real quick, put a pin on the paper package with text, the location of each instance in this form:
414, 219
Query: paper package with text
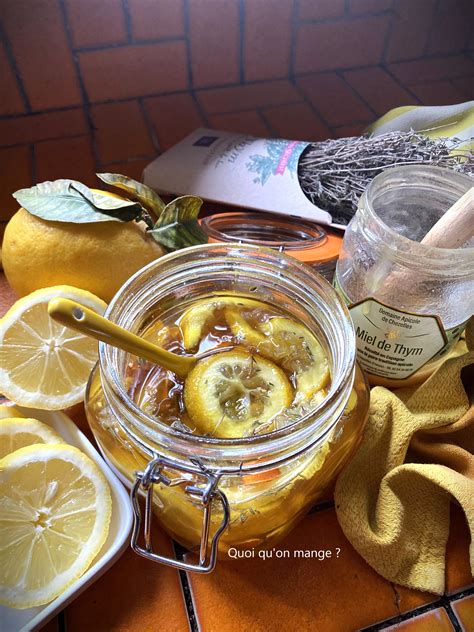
237, 170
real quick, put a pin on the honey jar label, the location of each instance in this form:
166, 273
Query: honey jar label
393, 343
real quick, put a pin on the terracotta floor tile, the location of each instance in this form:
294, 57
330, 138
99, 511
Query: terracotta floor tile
107, 25
458, 571
369, 6
341, 44
378, 89
433, 621
66, 158
465, 85
437, 93
15, 173
135, 595
37, 35
248, 122
35, 127
132, 168
134, 71
120, 131
464, 610
247, 97
296, 121
426, 70
321, 10
152, 19
349, 130
11, 101
7, 296
335, 100
450, 29
295, 594
173, 117
214, 41
266, 56
410, 29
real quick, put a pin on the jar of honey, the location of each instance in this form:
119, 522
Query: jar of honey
233, 454
409, 301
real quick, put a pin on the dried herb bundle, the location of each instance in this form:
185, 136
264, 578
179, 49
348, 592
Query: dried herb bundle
334, 173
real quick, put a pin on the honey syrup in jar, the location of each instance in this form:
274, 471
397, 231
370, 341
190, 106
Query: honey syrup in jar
251, 437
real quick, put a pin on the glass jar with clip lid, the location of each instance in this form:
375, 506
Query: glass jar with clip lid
237, 452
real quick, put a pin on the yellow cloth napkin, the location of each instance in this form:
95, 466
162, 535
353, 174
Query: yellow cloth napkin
416, 456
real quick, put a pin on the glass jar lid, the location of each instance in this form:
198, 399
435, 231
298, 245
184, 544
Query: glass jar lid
309, 243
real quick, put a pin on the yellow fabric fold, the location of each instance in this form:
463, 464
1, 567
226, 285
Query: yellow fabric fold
416, 456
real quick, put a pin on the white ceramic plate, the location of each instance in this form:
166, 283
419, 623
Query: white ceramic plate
12, 620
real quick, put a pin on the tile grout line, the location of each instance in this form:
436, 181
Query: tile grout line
33, 163
261, 115
400, 618
187, 39
340, 74
308, 101
149, 126
442, 602
347, 18
186, 589
7, 47
452, 617
82, 88
191, 91
293, 38
387, 70
388, 34
133, 42
241, 41
431, 28
127, 18
227, 86
45, 140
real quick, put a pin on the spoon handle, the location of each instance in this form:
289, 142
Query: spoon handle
88, 322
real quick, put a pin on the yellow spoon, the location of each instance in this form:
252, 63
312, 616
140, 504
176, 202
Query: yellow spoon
88, 322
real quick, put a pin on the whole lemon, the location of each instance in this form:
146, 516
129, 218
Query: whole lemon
98, 257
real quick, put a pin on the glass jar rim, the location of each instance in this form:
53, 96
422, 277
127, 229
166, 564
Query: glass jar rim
401, 246
304, 430
304, 240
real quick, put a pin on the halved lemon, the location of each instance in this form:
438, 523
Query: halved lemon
54, 519
16, 433
42, 363
230, 393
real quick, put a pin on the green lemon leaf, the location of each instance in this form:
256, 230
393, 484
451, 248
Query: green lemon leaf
149, 198
71, 201
177, 227
115, 208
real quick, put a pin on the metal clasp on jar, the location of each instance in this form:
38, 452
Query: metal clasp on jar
206, 493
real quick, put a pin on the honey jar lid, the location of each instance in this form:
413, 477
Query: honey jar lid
307, 242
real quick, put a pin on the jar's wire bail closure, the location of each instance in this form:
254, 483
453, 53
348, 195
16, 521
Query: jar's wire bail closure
205, 494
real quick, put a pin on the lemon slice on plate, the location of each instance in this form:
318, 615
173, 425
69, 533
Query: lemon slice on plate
16, 433
42, 363
229, 393
55, 512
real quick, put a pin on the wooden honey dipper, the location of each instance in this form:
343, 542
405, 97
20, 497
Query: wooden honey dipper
455, 227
